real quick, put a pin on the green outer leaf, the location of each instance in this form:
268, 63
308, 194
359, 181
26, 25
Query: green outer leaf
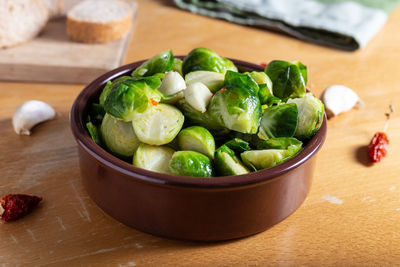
291, 144
191, 163
160, 63
227, 163
303, 70
109, 85
236, 79
94, 133
132, 96
279, 121
238, 145
197, 138
287, 79
177, 66
262, 159
205, 59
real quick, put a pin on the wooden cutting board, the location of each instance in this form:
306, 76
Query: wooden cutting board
53, 57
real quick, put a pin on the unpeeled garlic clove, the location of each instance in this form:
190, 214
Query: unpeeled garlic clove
29, 114
338, 99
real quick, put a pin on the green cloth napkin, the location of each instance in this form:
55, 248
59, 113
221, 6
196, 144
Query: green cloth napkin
347, 25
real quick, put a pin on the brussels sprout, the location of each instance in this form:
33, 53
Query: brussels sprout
287, 78
206, 59
262, 159
311, 115
236, 79
198, 96
118, 136
236, 108
160, 63
291, 144
227, 163
109, 85
153, 158
158, 125
191, 163
172, 83
94, 132
197, 138
177, 66
302, 68
132, 96
238, 145
96, 113
195, 117
213, 80
279, 121
262, 78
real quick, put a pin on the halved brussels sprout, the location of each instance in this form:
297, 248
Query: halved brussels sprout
191, 163
206, 59
198, 96
238, 145
279, 121
172, 83
227, 163
153, 158
195, 117
236, 108
213, 80
287, 78
118, 136
177, 66
262, 159
291, 144
132, 96
160, 63
262, 78
311, 115
158, 125
197, 138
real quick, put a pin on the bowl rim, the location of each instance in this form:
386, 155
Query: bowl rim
84, 140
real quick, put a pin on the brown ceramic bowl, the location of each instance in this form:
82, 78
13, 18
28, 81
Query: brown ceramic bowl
190, 208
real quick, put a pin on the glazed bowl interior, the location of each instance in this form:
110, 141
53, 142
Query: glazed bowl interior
91, 95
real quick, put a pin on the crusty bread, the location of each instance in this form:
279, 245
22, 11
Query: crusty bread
99, 21
21, 20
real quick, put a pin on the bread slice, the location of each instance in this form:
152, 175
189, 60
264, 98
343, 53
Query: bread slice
21, 20
99, 21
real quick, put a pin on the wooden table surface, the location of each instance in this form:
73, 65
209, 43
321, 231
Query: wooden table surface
351, 216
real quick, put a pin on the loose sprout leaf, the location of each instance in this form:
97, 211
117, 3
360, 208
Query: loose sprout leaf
172, 99
191, 163
236, 108
109, 85
227, 163
94, 133
266, 97
195, 117
160, 63
291, 144
132, 96
197, 138
262, 159
237, 79
118, 136
213, 80
158, 125
287, 78
279, 121
303, 70
310, 117
153, 158
206, 59
238, 145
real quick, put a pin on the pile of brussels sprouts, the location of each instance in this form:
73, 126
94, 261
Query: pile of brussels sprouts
201, 117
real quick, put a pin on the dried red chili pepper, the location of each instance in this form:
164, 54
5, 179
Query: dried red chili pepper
153, 102
378, 147
17, 206
263, 64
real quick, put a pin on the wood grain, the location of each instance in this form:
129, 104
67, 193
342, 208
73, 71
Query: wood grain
349, 218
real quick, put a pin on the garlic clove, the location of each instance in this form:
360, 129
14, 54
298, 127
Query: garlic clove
198, 96
338, 99
172, 83
29, 114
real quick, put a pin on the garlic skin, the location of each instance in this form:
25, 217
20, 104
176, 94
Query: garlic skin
338, 99
29, 114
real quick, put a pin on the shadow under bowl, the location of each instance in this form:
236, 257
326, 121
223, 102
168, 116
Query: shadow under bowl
189, 208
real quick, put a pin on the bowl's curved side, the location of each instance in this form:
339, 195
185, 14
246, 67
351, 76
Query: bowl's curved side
194, 213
